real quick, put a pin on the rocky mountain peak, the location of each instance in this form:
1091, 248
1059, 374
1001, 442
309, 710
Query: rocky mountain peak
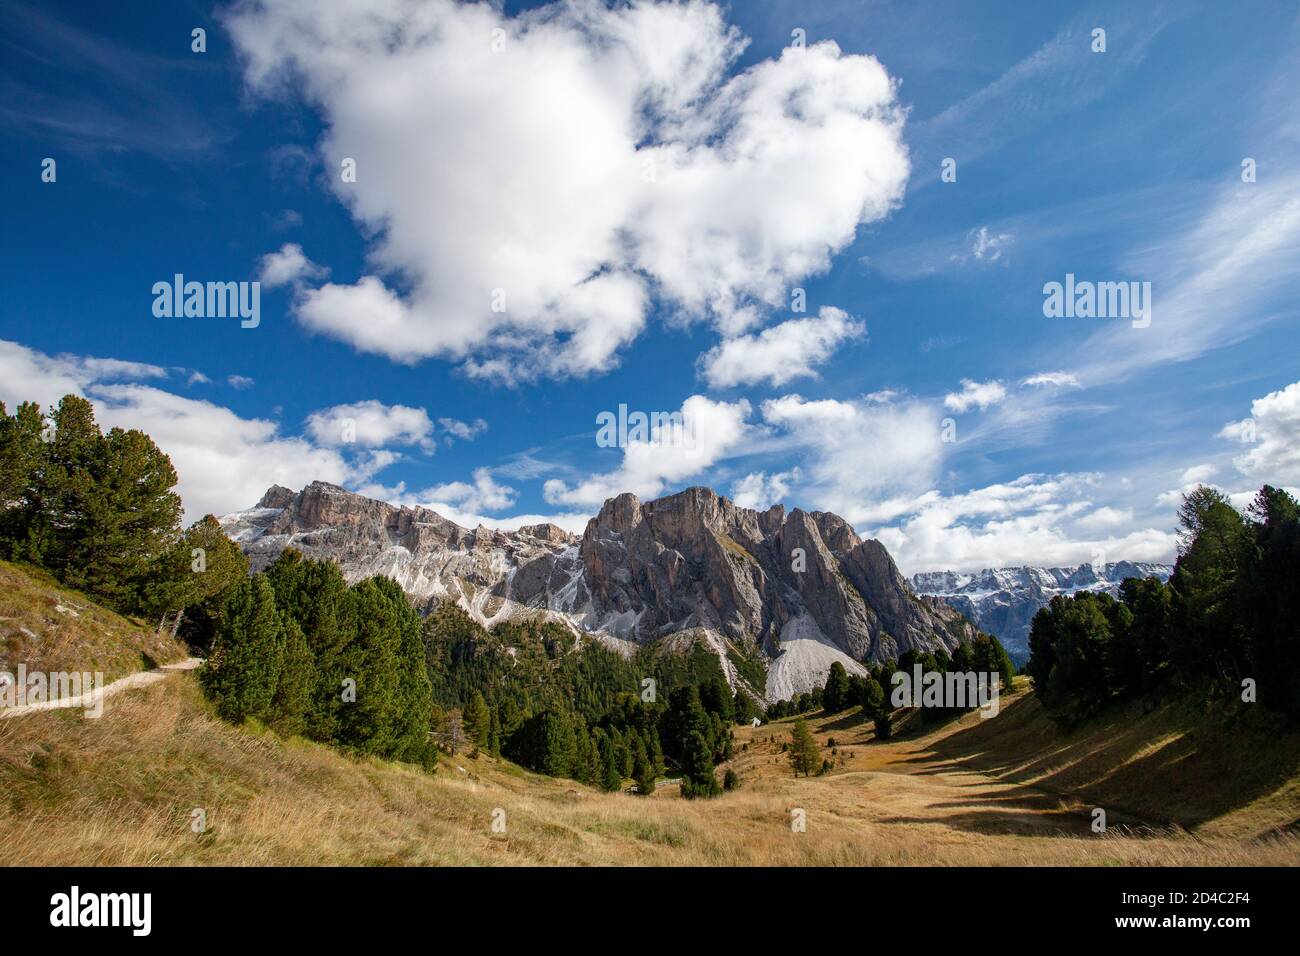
800, 590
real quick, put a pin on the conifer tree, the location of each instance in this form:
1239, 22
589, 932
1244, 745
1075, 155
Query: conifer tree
804, 754
370, 723
835, 695
642, 768
610, 778
477, 720
656, 753
288, 713
697, 768
243, 670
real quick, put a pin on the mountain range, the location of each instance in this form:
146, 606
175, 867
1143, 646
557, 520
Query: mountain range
793, 592
1003, 601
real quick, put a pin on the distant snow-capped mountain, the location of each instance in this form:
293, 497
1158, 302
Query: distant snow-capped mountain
1003, 601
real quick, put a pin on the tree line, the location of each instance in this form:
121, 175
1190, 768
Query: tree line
301, 650
872, 692
1225, 625
99, 512
527, 691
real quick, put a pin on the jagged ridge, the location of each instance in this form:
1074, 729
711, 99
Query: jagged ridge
801, 587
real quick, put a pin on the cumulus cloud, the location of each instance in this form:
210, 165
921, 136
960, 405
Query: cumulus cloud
288, 266
853, 453
224, 462
535, 241
371, 424
793, 349
1273, 436
464, 514
240, 382
465, 431
975, 395
760, 490
714, 431
1044, 519
484, 494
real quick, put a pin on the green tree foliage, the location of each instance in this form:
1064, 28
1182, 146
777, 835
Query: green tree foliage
297, 678
804, 754
1228, 613
730, 780
100, 513
241, 674
642, 768
698, 779
478, 722
835, 695
610, 778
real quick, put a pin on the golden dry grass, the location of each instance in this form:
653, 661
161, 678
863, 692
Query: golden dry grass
50, 629
120, 790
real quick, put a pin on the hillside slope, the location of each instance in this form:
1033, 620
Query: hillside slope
123, 790
49, 628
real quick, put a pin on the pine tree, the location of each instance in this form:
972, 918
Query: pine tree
243, 670
558, 743
697, 768
872, 697
656, 753
22, 456
642, 768
835, 696
288, 713
370, 723
610, 778
805, 756
685, 716
477, 720
494, 733
414, 692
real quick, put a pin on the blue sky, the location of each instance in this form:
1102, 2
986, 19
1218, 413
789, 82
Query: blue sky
647, 186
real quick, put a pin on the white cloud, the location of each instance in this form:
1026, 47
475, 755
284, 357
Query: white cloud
1038, 519
371, 424
1197, 474
989, 246
780, 353
289, 266
716, 430
1105, 517
240, 382
759, 490
465, 431
662, 178
484, 494
1274, 425
854, 453
223, 462
1053, 379
975, 395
